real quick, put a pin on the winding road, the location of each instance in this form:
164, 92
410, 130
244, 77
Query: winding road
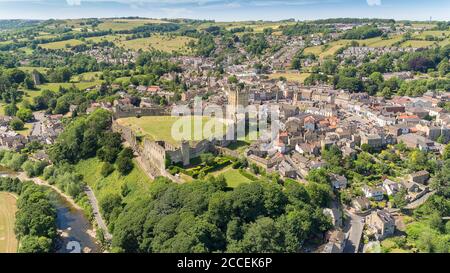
98, 217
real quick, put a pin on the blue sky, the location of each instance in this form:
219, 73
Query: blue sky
227, 10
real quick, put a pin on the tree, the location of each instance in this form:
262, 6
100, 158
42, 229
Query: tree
25, 114
207, 158
441, 181
109, 203
11, 109
35, 244
16, 124
124, 165
399, 199
263, 236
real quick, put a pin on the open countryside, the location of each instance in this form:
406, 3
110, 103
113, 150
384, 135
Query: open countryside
8, 242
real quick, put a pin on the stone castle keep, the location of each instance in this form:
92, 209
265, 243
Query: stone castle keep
154, 154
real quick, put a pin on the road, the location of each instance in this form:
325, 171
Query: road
354, 226
98, 217
37, 124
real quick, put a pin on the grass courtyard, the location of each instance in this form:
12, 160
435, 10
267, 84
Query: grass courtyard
234, 177
160, 127
8, 208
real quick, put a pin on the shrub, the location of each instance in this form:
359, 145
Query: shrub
16, 124
107, 169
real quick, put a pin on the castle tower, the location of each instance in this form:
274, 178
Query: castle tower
185, 152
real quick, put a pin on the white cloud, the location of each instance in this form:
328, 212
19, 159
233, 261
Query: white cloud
374, 2
73, 2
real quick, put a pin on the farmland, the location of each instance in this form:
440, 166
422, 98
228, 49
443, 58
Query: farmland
61, 44
122, 24
8, 242
158, 42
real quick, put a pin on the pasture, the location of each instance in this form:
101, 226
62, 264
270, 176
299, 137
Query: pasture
164, 43
8, 208
126, 24
61, 44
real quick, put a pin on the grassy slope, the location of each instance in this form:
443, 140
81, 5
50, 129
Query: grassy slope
8, 241
137, 181
123, 24
61, 44
158, 42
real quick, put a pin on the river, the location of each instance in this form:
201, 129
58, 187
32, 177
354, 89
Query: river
77, 235
76, 231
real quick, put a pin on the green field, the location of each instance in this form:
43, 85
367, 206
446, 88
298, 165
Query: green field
137, 181
80, 85
160, 127
159, 42
124, 24
29, 69
61, 44
233, 177
417, 43
8, 241
434, 33
108, 38
86, 77
290, 76
323, 51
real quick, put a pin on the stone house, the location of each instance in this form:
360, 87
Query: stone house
381, 224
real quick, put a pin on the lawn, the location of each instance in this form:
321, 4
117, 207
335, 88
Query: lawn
124, 24
26, 131
233, 177
160, 127
61, 44
291, 76
137, 181
159, 42
8, 241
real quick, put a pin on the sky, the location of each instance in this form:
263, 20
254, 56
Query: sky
227, 10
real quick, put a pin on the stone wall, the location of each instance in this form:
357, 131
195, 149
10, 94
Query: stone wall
126, 112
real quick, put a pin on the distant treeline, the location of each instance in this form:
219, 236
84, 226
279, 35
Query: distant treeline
9, 24
352, 21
